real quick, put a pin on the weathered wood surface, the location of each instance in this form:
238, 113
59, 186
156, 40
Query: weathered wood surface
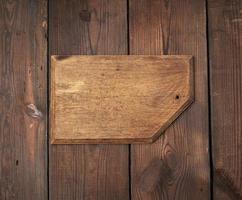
117, 99
101, 171
225, 44
174, 27
23, 61
88, 171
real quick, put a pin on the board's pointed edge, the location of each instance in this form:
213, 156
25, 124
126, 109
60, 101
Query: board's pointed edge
171, 121
151, 139
184, 107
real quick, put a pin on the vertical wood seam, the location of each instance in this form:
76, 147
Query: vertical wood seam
209, 105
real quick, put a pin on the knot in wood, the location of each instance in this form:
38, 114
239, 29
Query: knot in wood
154, 175
85, 16
225, 182
33, 112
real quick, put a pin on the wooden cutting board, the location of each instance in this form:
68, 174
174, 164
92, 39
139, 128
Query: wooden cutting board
117, 99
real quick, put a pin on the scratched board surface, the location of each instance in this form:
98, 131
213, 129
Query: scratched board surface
179, 164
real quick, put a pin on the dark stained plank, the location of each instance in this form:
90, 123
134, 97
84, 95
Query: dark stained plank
173, 27
88, 171
23, 100
225, 44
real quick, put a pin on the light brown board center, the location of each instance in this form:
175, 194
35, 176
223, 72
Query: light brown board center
117, 99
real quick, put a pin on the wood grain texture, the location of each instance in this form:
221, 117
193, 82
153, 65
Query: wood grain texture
88, 171
225, 44
174, 27
117, 99
23, 100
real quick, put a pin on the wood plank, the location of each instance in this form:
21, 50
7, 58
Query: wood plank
88, 171
173, 27
225, 44
117, 99
23, 100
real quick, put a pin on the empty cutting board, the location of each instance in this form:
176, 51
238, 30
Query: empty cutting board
117, 99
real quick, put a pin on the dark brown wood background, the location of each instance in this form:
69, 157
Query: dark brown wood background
201, 150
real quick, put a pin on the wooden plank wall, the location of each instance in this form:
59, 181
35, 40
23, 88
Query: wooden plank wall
174, 27
177, 165
23, 100
225, 44
88, 171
